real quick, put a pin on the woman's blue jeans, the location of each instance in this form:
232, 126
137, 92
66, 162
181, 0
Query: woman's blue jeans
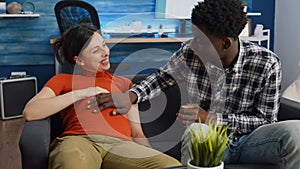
277, 143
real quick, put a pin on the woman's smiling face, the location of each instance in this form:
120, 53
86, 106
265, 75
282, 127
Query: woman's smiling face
94, 57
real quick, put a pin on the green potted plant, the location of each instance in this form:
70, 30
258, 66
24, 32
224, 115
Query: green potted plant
205, 145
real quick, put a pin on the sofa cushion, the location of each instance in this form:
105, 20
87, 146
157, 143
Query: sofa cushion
292, 92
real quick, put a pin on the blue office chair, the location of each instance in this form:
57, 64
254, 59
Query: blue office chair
70, 13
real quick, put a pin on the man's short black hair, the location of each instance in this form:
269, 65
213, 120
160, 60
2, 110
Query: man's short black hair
222, 18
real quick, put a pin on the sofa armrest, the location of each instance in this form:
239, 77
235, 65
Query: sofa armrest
289, 110
34, 144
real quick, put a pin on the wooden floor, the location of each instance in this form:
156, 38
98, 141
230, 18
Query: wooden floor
10, 131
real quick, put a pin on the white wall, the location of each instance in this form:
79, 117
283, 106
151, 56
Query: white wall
287, 38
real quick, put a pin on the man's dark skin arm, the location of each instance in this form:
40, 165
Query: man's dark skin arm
161, 80
122, 102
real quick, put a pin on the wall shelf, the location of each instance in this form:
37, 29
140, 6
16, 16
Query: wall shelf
36, 15
265, 37
253, 14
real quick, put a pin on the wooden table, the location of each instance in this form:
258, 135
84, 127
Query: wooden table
172, 38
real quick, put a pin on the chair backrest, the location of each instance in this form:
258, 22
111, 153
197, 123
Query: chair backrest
70, 13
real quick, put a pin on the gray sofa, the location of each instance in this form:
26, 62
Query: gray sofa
158, 118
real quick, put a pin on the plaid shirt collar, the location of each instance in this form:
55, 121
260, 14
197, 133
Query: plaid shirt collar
237, 67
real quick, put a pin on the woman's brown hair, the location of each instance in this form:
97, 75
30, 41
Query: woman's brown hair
71, 42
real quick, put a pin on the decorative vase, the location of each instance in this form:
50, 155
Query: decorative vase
258, 31
245, 9
190, 166
14, 8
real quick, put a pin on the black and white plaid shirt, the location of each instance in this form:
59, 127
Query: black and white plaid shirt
248, 98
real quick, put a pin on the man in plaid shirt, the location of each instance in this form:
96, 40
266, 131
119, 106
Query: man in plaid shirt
252, 86
243, 90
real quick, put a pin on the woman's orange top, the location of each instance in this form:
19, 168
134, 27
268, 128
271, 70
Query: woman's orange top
78, 119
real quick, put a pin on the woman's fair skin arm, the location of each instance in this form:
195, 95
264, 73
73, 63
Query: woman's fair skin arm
46, 103
136, 128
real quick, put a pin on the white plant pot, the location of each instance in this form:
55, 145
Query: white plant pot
190, 166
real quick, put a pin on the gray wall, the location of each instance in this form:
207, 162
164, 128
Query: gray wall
287, 39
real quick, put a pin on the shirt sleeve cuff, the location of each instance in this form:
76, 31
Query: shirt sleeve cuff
137, 93
219, 119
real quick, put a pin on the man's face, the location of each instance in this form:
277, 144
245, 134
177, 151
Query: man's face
208, 47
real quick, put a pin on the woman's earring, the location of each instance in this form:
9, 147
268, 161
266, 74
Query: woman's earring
77, 61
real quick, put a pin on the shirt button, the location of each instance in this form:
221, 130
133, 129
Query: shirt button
235, 139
